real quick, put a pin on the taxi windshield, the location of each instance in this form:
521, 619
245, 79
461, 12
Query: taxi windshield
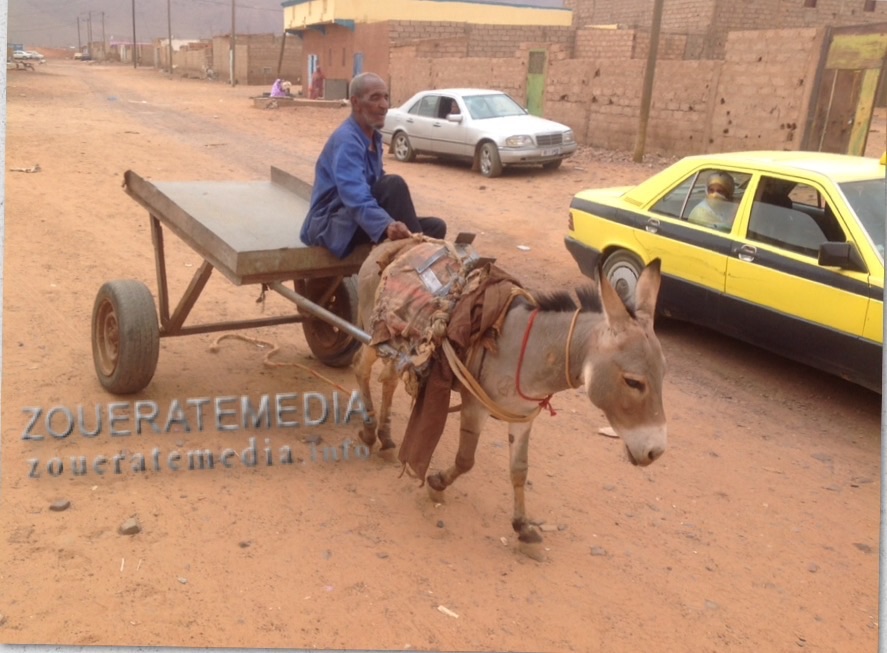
868, 200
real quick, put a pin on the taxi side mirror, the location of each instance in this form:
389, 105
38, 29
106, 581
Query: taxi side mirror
841, 255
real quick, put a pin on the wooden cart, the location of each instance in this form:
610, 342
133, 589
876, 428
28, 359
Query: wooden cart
248, 231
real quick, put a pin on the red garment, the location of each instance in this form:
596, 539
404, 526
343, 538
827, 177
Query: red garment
317, 80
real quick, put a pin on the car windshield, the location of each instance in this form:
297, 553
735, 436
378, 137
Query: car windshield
496, 105
867, 199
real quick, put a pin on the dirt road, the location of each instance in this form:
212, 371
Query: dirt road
757, 531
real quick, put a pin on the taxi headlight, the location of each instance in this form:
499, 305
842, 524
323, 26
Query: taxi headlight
568, 136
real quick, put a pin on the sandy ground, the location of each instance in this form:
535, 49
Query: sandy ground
757, 531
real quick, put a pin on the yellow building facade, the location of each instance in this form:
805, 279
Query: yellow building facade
302, 14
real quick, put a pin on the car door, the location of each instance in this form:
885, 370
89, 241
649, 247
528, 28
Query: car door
450, 133
694, 257
420, 122
779, 296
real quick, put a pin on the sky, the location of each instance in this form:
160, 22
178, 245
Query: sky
53, 23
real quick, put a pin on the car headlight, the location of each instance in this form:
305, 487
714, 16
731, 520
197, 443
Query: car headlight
568, 136
519, 141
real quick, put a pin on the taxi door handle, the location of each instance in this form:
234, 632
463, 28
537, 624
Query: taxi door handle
746, 253
652, 225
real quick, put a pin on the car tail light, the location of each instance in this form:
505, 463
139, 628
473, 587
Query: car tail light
570, 222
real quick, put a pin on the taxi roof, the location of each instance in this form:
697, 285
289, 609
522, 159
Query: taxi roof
837, 167
840, 167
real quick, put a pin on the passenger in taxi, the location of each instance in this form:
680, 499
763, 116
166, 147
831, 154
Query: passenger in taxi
718, 209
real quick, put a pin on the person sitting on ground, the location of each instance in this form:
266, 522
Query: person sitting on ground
718, 209
353, 200
280, 88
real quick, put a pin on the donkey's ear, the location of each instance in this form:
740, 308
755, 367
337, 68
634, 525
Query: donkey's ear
647, 290
614, 308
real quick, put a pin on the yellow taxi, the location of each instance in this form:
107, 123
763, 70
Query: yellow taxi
784, 250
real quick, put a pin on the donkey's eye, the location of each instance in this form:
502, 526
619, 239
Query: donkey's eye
634, 384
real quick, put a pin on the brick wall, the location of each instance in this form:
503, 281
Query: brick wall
756, 98
764, 90
706, 23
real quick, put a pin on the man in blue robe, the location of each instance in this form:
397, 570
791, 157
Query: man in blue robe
353, 200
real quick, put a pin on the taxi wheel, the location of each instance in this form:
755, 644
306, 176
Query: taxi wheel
622, 269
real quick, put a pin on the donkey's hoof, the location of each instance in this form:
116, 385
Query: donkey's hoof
367, 435
526, 532
436, 482
535, 551
435, 495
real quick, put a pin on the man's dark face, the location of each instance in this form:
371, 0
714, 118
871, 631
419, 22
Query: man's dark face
371, 106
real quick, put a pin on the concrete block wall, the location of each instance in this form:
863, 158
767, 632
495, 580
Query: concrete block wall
411, 74
595, 43
764, 89
263, 57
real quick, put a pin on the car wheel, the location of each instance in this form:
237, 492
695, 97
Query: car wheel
403, 149
490, 163
552, 165
622, 269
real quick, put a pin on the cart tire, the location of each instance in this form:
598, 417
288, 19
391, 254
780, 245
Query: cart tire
125, 336
330, 345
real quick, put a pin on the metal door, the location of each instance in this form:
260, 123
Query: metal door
846, 89
536, 81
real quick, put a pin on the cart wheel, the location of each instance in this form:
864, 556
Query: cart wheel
328, 343
125, 336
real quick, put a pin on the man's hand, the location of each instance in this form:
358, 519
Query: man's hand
397, 231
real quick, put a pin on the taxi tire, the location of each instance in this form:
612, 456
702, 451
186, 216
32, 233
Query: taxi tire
622, 269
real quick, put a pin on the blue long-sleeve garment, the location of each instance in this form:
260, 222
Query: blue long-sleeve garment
342, 200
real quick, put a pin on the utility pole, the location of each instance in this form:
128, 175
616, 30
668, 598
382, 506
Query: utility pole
134, 47
169, 29
104, 40
89, 34
647, 92
79, 42
233, 46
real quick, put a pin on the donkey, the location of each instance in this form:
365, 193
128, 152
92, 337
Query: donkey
604, 344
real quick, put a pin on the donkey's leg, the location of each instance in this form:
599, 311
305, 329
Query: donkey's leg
363, 367
389, 380
519, 446
471, 422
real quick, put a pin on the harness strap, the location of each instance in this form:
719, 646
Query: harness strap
544, 402
567, 349
473, 386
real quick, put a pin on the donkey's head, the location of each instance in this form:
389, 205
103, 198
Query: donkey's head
624, 366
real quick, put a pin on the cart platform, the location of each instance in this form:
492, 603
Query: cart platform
249, 231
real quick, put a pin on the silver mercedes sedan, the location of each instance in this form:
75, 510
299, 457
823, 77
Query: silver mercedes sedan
487, 128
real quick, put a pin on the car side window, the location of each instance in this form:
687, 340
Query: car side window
709, 198
428, 106
792, 216
447, 106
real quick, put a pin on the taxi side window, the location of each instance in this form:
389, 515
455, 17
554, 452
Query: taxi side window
692, 191
792, 216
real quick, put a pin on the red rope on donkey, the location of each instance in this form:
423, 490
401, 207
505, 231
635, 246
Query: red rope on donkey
544, 402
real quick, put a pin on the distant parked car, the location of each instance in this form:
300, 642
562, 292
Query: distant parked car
30, 54
486, 127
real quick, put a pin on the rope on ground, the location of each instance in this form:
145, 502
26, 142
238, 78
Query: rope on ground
267, 359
